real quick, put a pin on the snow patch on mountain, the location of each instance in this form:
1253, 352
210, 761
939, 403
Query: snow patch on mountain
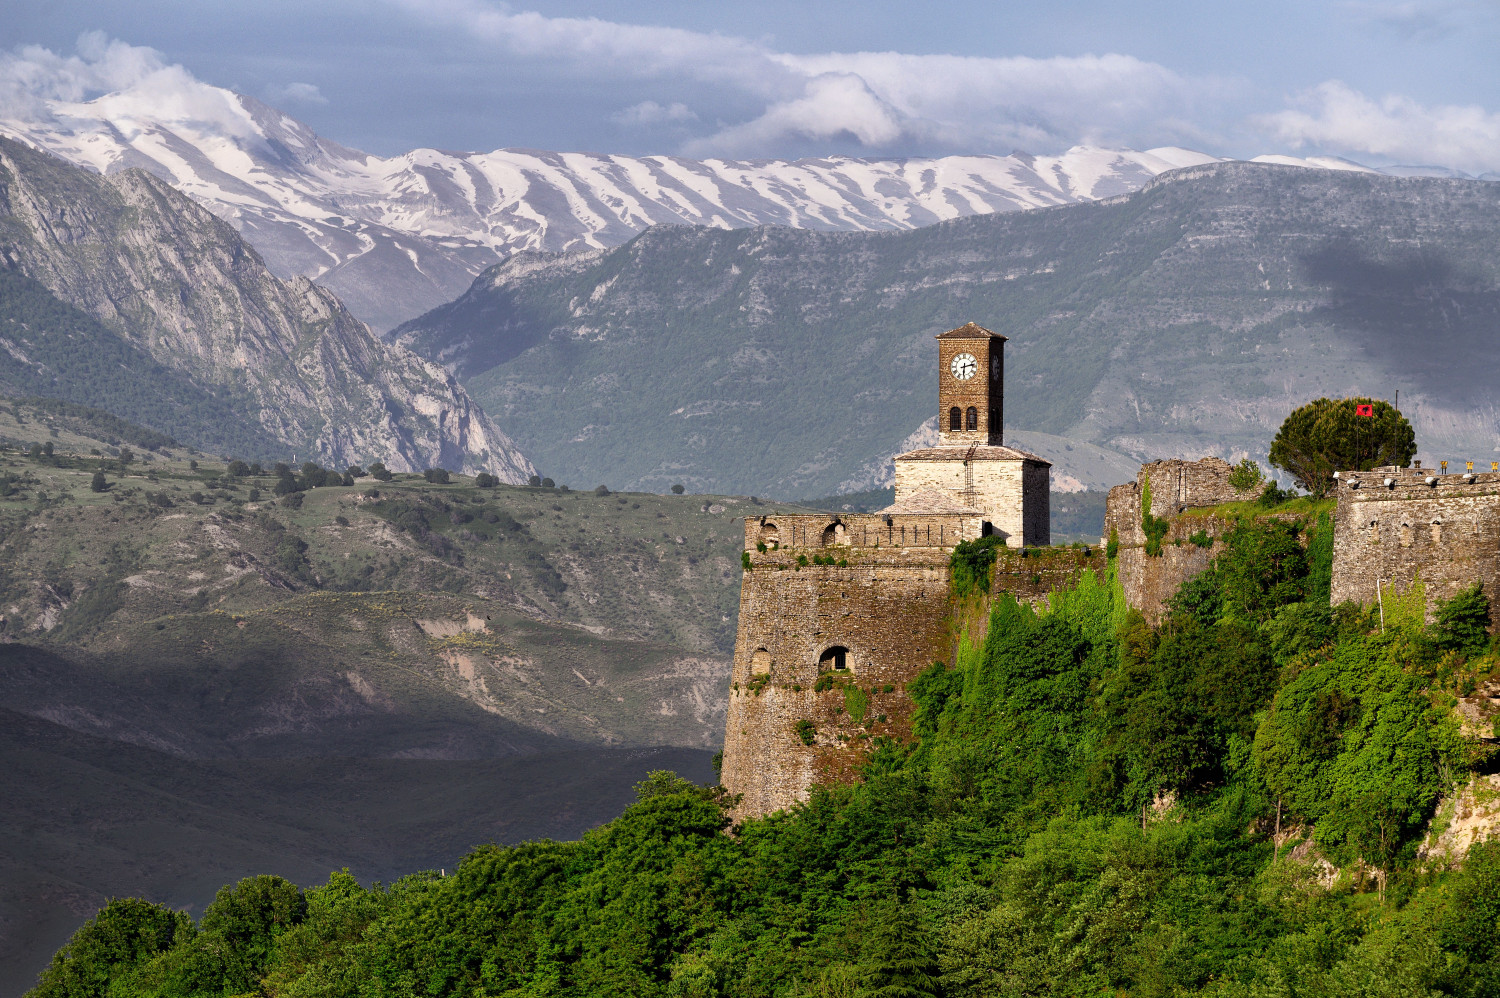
396, 236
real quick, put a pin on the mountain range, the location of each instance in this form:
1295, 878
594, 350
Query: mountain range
121, 291
395, 236
1185, 319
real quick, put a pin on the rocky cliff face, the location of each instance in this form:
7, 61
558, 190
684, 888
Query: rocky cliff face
183, 286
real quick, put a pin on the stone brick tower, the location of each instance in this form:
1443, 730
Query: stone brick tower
838, 612
971, 386
970, 468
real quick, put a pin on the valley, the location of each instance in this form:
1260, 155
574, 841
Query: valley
204, 679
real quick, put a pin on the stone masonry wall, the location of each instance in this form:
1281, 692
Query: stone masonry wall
1000, 489
890, 609
1441, 530
1149, 581
1036, 488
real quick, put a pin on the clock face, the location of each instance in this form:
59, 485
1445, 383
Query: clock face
963, 367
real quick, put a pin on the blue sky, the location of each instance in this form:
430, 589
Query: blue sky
1410, 81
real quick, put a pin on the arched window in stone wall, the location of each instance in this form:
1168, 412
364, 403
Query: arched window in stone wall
835, 534
760, 663
955, 418
835, 659
1437, 530
769, 535
971, 419
1407, 535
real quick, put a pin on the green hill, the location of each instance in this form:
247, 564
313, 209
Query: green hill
189, 660
1185, 319
1232, 804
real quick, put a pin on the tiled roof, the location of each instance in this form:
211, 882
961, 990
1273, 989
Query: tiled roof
970, 331
958, 452
932, 501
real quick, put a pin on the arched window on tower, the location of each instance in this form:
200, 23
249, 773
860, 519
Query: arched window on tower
955, 418
835, 659
972, 419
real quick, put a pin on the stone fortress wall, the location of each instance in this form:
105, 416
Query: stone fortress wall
1175, 486
1395, 527
866, 626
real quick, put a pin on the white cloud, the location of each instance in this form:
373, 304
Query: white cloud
649, 112
300, 93
1336, 117
879, 101
31, 75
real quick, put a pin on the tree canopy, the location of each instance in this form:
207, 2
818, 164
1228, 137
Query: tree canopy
1329, 435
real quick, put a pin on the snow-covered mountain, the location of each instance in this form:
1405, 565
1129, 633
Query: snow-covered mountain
394, 237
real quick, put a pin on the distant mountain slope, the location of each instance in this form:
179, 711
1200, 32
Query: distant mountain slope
396, 236
1188, 318
52, 349
175, 283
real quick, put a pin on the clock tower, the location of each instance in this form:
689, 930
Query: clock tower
971, 387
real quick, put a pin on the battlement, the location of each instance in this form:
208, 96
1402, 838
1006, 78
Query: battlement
893, 537
1399, 527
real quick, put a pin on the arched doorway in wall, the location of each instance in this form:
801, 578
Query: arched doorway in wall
760, 662
835, 659
835, 534
769, 535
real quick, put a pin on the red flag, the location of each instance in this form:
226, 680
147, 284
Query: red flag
1364, 410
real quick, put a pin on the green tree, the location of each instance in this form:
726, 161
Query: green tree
1463, 622
124, 934
1329, 435
485, 480
436, 476
896, 960
97, 483
379, 472
678, 489
246, 919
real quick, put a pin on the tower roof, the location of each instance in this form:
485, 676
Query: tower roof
970, 331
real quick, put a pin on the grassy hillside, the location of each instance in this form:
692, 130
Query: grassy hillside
204, 679
1186, 319
580, 615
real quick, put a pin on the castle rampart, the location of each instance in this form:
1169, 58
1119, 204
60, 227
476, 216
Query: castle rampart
1398, 526
1149, 580
824, 651
839, 612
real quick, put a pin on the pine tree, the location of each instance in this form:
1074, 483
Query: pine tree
896, 961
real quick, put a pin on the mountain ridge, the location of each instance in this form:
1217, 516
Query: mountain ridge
1181, 320
178, 283
397, 235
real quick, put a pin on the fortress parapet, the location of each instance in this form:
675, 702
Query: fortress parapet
895, 537
1396, 527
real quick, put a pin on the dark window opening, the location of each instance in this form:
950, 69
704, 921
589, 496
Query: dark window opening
835, 659
955, 418
973, 419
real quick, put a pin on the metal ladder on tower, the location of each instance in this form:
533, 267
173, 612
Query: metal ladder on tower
971, 496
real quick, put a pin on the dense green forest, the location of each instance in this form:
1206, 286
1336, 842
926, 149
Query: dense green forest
1090, 806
